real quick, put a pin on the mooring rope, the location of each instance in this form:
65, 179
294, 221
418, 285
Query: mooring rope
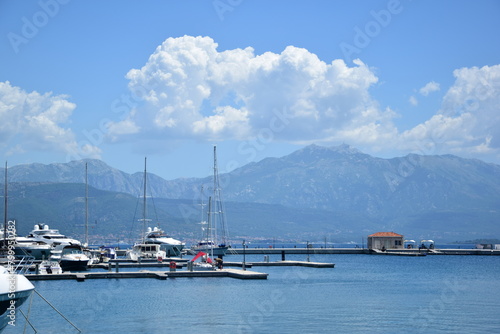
53, 307
28, 316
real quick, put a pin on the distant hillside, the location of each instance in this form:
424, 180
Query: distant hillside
437, 196
114, 216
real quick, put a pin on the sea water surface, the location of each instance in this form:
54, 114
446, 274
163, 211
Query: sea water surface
362, 294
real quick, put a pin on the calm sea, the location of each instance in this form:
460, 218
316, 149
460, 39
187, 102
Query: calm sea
362, 294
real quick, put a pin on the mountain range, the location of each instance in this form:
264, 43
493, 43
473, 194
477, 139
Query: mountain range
314, 192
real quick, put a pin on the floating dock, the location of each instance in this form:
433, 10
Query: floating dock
162, 275
174, 273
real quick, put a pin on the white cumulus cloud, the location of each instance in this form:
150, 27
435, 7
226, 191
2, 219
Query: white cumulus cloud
189, 89
34, 121
429, 88
468, 123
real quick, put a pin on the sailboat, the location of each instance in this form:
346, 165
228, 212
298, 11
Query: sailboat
214, 241
155, 243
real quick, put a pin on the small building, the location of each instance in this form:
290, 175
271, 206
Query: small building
385, 240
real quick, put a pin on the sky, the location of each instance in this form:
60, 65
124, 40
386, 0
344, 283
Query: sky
122, 80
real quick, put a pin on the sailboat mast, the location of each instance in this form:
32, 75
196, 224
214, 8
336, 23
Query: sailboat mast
202, 204
216, 205
219, 205
144, 203
86, 206
5, 210
210, 239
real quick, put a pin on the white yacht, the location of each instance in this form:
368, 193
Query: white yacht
145, 251
106, 254
49, 267
11, 299
208, 246
44, 234
27, 247
70, 257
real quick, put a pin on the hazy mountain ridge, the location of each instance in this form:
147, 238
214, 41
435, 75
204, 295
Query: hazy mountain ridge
336, 178
415, 193
114, 217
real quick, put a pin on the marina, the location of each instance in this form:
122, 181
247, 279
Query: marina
361, 291
248, 167
158, 257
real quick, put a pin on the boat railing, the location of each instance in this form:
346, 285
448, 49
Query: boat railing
24, 264
232, 251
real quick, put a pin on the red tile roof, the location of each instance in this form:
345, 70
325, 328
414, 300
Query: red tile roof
385, 234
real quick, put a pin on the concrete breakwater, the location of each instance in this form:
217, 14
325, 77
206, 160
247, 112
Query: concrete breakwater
321, 250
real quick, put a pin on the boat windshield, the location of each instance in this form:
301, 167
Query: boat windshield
151, 248
71, 251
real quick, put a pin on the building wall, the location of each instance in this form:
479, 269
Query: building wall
385, 242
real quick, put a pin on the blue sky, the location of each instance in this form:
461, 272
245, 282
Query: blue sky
120, 80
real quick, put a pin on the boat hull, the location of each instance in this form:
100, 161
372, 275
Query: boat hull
216, 251
169, 249
74, 265
202, 267
23, 289
39, 252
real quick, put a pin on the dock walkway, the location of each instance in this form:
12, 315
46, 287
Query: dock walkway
162, 275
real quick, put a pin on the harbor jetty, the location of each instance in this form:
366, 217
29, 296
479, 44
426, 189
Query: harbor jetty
113, 270
359, 250
162, 275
